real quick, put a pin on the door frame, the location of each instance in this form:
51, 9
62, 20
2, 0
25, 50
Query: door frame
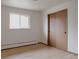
49, 26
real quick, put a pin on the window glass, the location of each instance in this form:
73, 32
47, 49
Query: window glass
14, 21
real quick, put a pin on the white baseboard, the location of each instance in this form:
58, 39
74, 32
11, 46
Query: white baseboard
17, 44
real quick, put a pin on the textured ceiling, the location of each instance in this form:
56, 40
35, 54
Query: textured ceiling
32, 4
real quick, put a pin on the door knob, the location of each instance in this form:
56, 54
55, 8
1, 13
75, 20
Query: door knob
65, 32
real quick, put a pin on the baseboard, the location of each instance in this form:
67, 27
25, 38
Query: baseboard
72, 53
6, 46
43, 43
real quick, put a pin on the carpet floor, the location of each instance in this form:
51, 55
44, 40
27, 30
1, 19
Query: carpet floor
38, 51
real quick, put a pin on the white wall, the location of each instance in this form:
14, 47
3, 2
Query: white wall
11, 36
72, 24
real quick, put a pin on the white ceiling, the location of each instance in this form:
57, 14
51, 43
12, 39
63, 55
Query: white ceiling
32, 4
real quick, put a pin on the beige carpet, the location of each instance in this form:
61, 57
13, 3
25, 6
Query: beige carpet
38, 51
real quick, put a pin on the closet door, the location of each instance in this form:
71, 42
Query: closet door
61, 30
52, 30
58, 30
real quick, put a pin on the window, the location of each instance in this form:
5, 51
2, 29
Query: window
18, 21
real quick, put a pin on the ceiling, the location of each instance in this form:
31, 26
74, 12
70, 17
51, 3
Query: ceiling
32, 4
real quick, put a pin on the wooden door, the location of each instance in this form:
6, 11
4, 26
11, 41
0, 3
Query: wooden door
52, 30
58, 29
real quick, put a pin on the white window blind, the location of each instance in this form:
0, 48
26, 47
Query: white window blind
18, 21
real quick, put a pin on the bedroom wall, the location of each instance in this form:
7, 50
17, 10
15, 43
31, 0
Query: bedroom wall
72, 23
19, 37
